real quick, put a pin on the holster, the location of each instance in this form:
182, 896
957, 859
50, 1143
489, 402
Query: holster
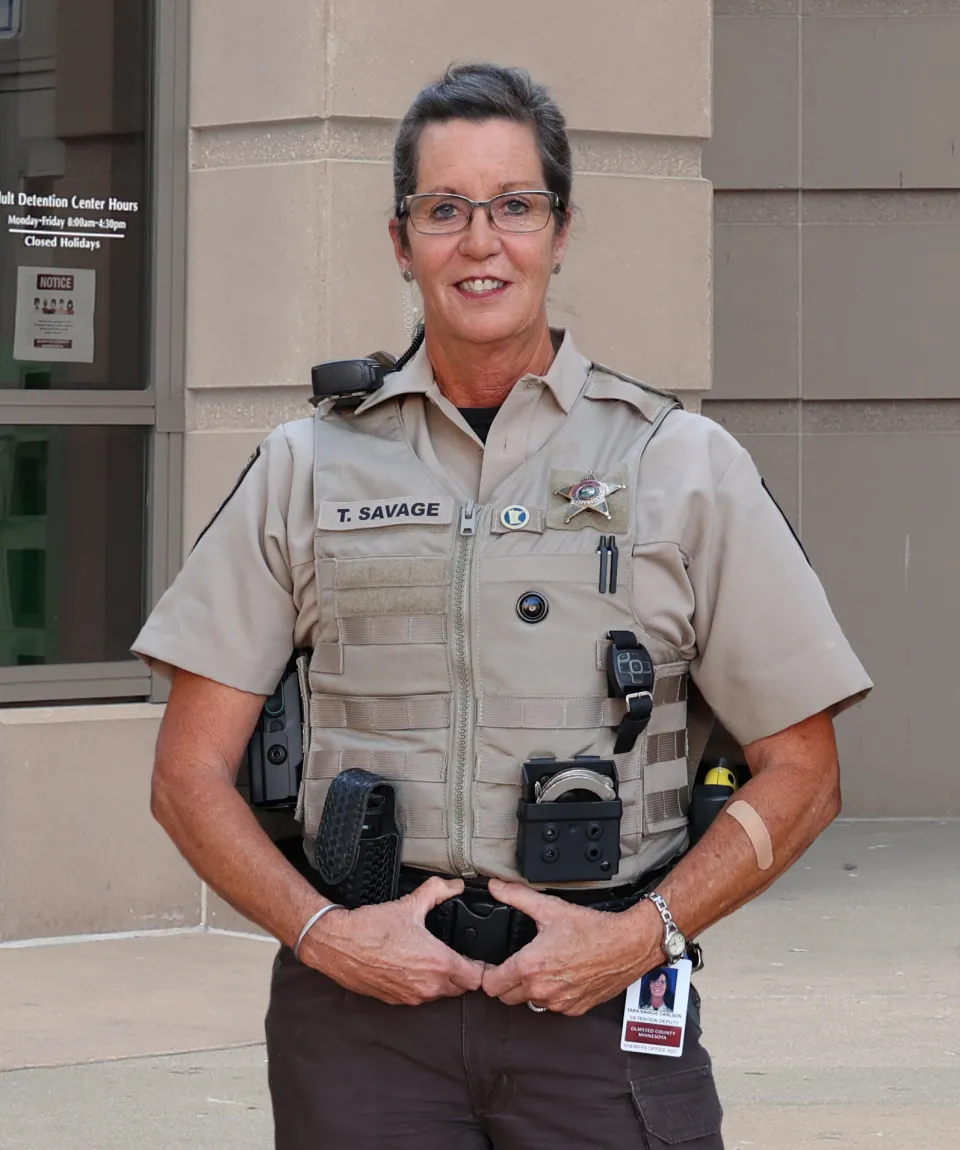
358, 841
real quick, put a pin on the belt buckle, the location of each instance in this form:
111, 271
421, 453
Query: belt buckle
483, 937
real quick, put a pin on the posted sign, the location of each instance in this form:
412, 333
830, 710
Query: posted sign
55, 310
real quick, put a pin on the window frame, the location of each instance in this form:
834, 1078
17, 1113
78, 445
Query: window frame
159, 406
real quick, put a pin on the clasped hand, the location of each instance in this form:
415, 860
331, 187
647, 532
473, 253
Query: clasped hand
580, 957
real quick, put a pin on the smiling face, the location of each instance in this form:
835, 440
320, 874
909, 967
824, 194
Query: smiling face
480, 285
658, 988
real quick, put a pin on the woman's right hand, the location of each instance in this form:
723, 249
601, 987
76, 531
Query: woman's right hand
386, 951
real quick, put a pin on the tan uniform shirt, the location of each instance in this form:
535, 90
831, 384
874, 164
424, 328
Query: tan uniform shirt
725, 582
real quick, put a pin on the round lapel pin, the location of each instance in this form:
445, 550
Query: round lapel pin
514, 518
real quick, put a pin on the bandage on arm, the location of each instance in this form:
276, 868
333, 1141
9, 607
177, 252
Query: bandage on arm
756, 830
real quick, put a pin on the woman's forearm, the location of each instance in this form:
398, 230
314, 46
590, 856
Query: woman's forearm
796, 793
202, 739
219, 836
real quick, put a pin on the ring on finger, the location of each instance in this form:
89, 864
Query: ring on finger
538, 1009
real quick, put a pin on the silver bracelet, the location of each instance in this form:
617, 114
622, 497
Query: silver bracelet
311, 922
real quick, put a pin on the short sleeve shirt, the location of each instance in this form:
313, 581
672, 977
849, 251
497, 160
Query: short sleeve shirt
764, 646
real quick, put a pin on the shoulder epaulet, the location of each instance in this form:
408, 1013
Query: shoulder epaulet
605, 383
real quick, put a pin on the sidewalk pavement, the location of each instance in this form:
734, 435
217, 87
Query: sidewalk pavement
831, 1007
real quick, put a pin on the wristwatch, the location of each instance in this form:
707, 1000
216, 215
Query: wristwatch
674, 944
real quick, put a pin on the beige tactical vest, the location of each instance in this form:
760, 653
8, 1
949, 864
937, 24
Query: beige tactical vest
423, 671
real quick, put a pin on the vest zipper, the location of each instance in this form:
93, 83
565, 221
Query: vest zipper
464, 696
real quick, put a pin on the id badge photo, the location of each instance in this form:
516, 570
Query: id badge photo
655, 1013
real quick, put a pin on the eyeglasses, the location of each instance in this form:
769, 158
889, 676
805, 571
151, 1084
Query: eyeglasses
438, 214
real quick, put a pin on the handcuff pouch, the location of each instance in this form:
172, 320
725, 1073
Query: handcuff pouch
574, 836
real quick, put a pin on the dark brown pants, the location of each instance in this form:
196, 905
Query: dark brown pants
351, 1073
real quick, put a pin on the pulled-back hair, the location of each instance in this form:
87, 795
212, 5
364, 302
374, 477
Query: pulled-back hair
480, 92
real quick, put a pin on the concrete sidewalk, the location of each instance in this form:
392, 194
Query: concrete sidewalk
831, 1006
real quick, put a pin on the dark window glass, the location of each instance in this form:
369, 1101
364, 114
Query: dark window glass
71, 543
74, 212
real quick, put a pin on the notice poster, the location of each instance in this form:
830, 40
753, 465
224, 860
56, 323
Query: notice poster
55, 310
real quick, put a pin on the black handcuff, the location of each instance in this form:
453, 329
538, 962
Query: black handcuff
630, 677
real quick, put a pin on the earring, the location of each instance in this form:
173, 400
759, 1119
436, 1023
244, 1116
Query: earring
556, 269
411, 313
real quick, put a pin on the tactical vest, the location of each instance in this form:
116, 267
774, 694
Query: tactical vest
424, 672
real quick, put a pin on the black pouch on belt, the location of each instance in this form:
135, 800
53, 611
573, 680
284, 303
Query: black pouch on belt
358, 843
568, 820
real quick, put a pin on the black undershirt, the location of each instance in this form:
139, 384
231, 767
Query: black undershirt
480, 419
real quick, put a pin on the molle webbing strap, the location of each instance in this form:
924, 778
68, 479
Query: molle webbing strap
429, 712
661, 806
559, 713
396, 766
420, 824
667, 747
495, 825
569, 712
370, 630
303, 680
405, 713
669, 689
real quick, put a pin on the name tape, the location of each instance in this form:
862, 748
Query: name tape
354, 515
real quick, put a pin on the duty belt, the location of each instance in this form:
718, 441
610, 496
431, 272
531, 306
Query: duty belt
357, 863
475, 925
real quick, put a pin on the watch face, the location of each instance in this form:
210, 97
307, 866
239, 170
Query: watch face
675, 945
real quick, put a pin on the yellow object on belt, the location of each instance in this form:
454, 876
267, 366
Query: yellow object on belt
720, 777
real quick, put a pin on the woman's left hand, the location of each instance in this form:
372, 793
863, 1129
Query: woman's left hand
580, 957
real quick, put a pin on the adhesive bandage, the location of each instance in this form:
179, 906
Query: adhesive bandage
756, 830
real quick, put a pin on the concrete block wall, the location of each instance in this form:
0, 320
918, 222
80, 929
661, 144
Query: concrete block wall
79, 853
837, 233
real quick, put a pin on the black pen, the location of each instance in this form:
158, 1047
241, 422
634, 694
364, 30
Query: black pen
602, 548
614, 560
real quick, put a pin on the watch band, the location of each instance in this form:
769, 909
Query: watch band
669, 924
674, 944
693, 949
630, 676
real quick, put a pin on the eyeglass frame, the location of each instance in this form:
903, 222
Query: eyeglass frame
556, 206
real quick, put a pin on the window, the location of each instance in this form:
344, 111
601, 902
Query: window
90, 376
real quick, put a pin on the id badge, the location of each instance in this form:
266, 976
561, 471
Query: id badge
655, 1014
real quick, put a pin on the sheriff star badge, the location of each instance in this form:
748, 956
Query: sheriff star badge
590, 494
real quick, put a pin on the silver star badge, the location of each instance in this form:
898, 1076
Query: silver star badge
590, 494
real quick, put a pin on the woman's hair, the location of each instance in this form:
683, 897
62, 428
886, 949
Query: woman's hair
481, 92
652, 977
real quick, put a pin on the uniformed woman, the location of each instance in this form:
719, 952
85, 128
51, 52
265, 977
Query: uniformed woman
466, 555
